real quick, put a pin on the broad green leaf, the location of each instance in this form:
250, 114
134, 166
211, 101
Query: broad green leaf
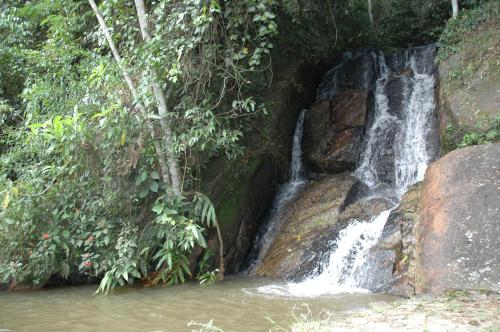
65, 233
158, 208
154, 186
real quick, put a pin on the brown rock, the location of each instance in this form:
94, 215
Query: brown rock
333, 131
407, 71
349, 109
458, 230
308, 225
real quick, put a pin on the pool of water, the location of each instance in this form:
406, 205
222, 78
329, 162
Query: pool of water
236, 304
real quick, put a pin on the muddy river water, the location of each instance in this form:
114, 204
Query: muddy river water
236, 304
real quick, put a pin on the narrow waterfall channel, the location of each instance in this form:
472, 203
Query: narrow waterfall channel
396, 150
285, 194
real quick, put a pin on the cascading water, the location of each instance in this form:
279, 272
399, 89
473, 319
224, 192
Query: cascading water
407, 130
396, 152
285, 194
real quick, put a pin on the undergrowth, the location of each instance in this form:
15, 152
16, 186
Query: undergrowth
454, 137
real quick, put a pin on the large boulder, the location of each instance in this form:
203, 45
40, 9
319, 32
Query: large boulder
333, 131
308, 225
458, 231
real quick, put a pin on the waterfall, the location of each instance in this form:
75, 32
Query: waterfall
400, 136
380, 130
296, 165
396, 152
285, 194
408, 131
412, 153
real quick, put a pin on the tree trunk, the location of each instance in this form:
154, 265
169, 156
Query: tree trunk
370, 13
173, 163
454, 6
221, 252
163, 164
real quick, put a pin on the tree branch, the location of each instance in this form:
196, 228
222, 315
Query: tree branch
133, 90
173, 163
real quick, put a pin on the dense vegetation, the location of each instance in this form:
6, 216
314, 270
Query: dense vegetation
102, 153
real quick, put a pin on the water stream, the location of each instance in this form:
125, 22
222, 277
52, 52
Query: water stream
286, 194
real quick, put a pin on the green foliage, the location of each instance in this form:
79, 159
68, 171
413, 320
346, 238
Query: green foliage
80, 181
488, 131
320, 28
483, 137
449, 138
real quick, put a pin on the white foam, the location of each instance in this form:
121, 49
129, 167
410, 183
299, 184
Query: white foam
345, 267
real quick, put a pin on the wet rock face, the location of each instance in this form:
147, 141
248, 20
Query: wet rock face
458, 230
396, 89
395, 249
355, 71
335, 126
423, 56
363, 209
334, 131
257, 201
308, 225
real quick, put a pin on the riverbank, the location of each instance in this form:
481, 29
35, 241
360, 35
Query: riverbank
455, 311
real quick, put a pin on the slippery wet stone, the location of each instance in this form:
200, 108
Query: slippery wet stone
309, 222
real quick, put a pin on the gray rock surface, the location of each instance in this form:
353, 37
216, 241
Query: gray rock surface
458, 232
